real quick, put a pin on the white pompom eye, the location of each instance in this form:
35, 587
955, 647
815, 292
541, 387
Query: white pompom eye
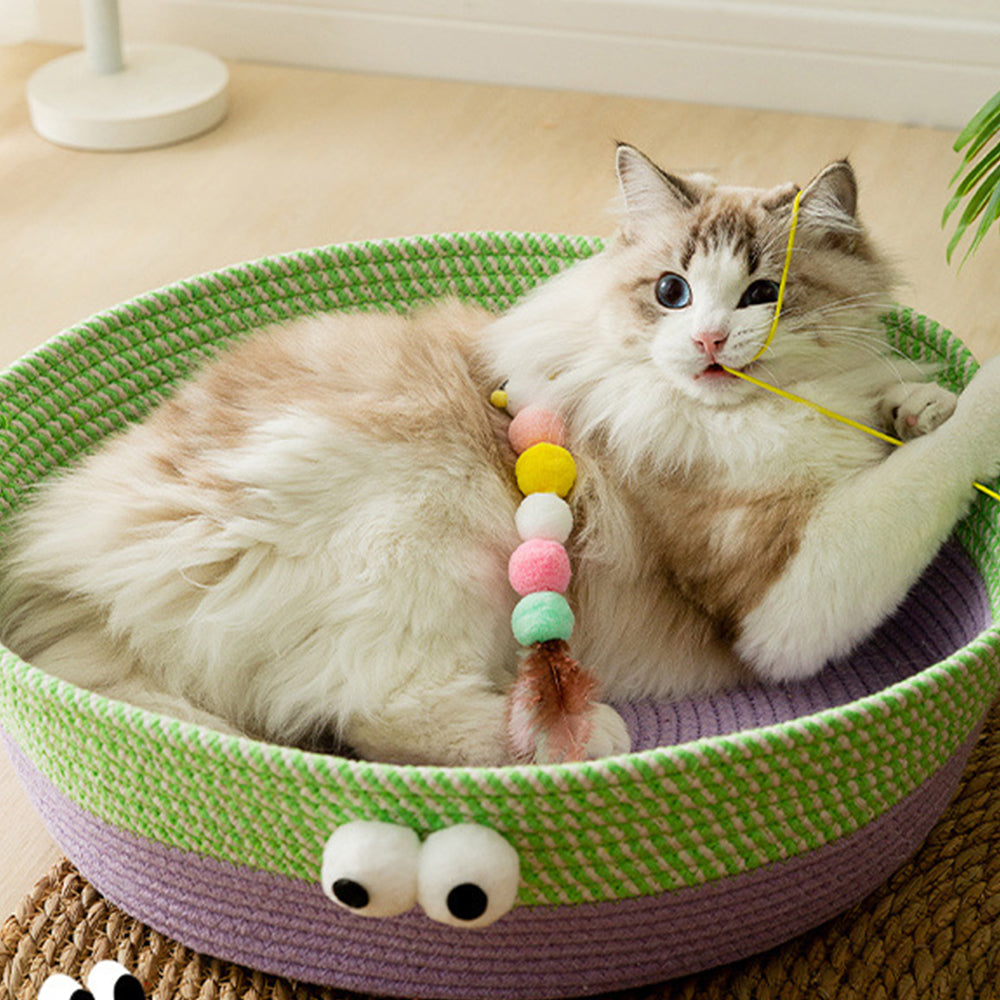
109, 980
371, 868
469, 876
60, 987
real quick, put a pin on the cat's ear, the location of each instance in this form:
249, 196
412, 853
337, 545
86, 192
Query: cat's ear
831, 197
648, 190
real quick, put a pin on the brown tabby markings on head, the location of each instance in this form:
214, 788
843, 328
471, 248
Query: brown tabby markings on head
728, 226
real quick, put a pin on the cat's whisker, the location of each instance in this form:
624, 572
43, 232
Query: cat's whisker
859, 339
862, 337
843, 306
847, 303
765, 370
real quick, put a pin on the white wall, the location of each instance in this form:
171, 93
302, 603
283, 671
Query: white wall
919, 61
18, 21
984, 9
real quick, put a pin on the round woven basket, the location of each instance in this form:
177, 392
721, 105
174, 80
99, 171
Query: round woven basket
736, 823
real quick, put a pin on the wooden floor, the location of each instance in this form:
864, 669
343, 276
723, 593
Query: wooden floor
309, 157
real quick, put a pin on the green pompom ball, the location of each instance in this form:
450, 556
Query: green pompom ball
540, 617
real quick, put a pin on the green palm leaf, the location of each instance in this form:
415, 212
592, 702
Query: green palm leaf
971, 179
980, 185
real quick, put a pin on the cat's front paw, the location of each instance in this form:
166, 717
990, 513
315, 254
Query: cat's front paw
980, 397
609, 736
977, 421
912, 409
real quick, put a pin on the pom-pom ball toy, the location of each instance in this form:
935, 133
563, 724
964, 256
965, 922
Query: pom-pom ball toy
737, 821
539, 564
533, 425
544, 515
545, 468
551, 701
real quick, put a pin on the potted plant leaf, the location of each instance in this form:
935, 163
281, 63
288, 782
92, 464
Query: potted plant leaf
977, 180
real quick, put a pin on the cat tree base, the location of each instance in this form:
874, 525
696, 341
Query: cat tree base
164, 94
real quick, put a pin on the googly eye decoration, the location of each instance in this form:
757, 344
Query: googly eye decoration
371, 868
108, 980
60, 987
111, 981
463, 876
469, 876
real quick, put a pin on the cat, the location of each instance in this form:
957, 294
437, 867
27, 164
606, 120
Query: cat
308, 542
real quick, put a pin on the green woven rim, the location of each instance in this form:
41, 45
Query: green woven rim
620, 828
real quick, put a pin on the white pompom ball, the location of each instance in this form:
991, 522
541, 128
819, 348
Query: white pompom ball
469, 876
370, 868
544, 515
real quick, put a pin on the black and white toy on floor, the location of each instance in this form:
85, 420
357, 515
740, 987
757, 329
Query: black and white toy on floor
108, 980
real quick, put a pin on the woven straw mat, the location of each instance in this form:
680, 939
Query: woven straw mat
932, 932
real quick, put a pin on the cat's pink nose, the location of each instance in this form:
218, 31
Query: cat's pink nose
709, 342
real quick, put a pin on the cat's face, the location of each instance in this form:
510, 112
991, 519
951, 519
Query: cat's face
700, 266
630, 343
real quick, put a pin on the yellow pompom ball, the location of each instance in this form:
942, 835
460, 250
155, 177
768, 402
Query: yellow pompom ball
545, 468
499, 399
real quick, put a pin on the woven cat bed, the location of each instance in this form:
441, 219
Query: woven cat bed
736, 823
931, 931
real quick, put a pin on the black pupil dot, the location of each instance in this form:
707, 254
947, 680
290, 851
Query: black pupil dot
129, 988
351, 893
672, 291
467, 901
761, 292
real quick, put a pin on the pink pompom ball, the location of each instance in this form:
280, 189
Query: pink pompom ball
539, 564
533, 425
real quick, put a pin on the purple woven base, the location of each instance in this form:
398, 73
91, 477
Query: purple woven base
289, 928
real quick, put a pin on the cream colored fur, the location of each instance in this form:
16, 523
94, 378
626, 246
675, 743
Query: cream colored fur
308, 543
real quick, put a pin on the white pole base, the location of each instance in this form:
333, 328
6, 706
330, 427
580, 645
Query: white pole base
165, 94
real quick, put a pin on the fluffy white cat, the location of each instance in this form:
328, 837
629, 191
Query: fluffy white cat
309, 541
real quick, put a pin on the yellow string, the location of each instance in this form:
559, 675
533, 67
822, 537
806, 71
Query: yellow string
832, 414
784, 279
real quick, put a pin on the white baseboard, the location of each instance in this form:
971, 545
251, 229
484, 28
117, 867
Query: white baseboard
810, 59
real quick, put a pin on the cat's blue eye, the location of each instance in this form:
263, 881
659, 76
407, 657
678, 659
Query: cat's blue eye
760, 293
672, 291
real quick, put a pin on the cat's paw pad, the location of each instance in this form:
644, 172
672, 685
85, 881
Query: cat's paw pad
609, 735
914, 409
